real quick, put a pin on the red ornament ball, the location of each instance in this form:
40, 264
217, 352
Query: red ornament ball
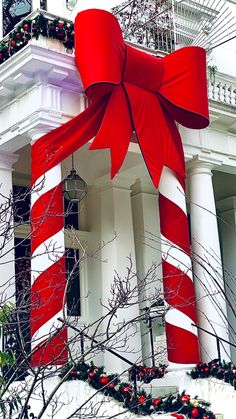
156, 402
185, 398
206, 370
142, 375
18, 35
26, 27
91, 374
195, 413
52, 28
141, 399
111, 385
60, 25
104, 380
13, 43
126, 389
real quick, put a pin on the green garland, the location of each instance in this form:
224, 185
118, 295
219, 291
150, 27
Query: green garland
223, 371
146, 374
142, 403
28, 29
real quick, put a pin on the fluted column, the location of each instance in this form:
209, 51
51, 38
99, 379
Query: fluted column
48, 271
227, 223
118, 250
148, 255
206, 257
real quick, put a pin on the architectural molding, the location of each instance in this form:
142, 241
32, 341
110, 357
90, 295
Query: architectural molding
7, 160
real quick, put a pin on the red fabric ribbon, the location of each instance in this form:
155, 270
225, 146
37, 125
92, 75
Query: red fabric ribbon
130, 91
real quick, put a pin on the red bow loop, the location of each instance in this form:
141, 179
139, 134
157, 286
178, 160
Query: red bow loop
99, 51
184, 87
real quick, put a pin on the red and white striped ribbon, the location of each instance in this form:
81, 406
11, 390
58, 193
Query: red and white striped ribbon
182, 340
48, 278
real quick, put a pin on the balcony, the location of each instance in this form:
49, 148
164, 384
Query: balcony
221, 88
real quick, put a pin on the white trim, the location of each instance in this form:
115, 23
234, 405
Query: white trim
175, 256
46, 330
177, 318
47, 254
45, 183
171, 188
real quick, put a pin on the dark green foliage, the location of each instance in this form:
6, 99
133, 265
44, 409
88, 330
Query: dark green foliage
221, 370
28, 29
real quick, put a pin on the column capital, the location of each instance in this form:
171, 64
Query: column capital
201, 165
105, 183
7, 160
36, 133
143, 185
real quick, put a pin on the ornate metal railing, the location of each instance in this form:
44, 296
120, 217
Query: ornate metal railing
15, 341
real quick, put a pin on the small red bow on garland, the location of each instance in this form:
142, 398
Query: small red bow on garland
130, 91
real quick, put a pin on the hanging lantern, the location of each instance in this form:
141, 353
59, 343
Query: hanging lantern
73, 186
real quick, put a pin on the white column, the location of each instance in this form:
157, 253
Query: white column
227, 223
35, 5
116, 219
7, 254
146, 224
207, 264
57, 8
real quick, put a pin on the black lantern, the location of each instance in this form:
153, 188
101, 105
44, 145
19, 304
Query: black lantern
74, 187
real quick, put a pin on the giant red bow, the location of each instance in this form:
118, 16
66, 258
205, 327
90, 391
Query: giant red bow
130, 90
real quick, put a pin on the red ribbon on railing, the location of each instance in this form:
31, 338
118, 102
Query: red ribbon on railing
130, 91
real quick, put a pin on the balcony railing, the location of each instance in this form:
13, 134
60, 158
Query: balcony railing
220, 90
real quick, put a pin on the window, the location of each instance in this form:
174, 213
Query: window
21, 198
43, 4
13, 12
73, 276
71, 210
22, 288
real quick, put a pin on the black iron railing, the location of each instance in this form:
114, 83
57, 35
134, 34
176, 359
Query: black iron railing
218, 340
84, 335
16, 342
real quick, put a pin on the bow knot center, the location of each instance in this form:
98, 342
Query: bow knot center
143, 70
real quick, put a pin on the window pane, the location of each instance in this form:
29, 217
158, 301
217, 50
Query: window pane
73, 292
22, 287
13, 12
71, 214
21, 198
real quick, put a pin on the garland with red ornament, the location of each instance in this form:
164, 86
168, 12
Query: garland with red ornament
180, 406
62, 30
221, 370
146, 374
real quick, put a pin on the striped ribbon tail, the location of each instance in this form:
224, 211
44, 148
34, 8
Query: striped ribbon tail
48, 277
182, 339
